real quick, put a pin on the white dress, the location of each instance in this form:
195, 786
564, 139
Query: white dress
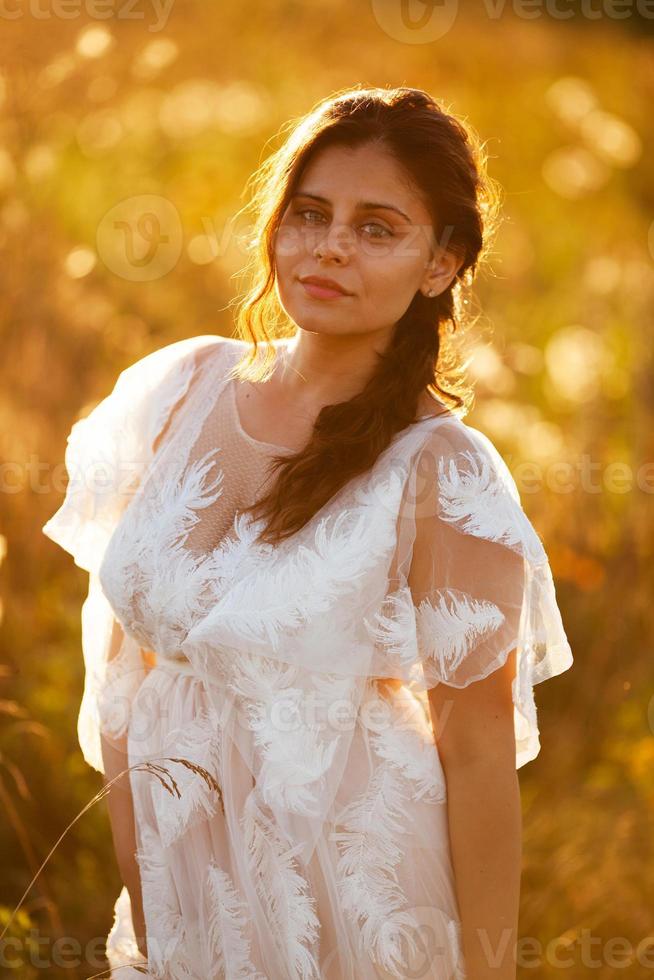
311, 838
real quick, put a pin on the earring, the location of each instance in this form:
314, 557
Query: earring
431, 292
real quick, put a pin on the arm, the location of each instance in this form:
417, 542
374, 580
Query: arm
121, 814
474, 733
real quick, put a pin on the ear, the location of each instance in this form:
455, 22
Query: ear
440, 271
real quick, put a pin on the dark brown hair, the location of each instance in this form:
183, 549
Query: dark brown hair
446, 163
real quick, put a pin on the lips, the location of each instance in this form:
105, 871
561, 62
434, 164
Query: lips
324, 284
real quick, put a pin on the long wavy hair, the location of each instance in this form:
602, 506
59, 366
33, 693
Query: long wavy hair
447, 163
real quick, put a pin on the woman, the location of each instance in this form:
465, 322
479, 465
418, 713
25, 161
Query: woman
315, 599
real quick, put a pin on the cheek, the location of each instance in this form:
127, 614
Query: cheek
284, 293
390, 281
290, 248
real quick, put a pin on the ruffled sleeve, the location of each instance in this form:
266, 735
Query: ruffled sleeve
108, 451
106, 457
479, 576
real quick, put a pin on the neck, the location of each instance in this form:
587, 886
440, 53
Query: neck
323, 369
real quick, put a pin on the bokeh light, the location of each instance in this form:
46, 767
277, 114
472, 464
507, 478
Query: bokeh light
126, 144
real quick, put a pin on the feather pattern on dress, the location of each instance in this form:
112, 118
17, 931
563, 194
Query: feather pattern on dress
450, 622
394, 626
164, 922
415, 755
227, 921
343, 549
198, 743
295, 756
473, 497
371, 853
283, 890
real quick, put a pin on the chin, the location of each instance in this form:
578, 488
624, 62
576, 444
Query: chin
320, 325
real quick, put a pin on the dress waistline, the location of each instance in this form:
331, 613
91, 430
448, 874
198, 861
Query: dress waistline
175, 665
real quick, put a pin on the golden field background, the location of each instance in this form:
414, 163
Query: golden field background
102, 119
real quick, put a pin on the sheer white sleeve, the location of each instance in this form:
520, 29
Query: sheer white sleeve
478, 576
106, 457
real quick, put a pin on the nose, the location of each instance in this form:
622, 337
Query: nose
335, 243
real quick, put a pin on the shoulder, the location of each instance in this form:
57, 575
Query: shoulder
462, 481
166, 373
454, 451
143, 394
203, 346
160, 382
180, 353
108, 450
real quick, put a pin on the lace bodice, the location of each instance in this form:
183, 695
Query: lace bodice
181, 539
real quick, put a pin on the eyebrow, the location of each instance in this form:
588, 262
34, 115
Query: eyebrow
362, 205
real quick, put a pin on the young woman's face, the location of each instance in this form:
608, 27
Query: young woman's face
354, 219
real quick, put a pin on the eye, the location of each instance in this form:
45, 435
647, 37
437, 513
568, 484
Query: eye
373, 224
305, 212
